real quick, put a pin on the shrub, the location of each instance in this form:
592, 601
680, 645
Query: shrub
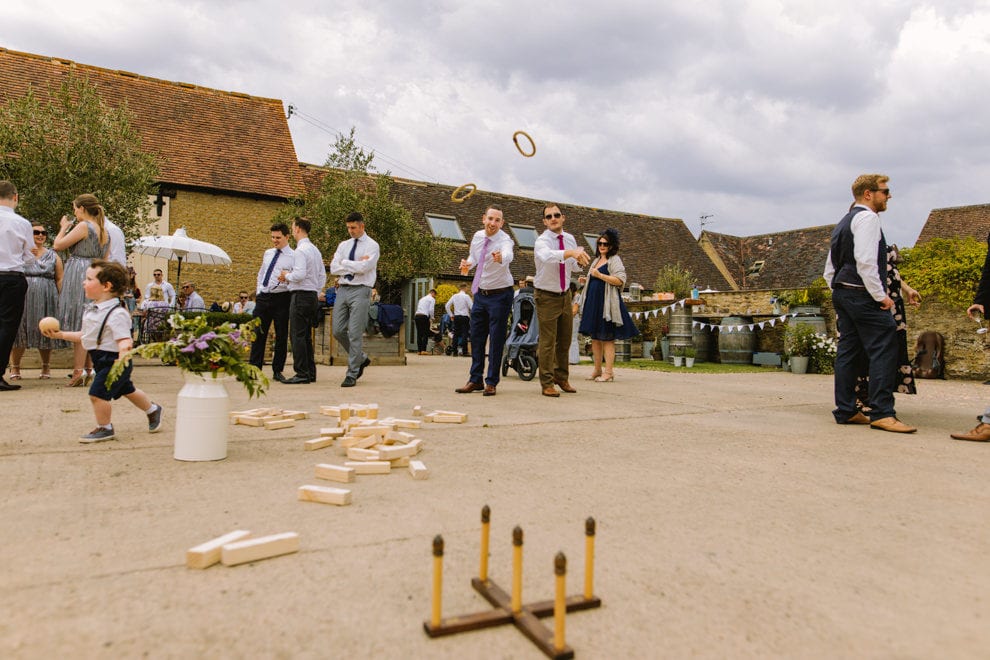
948, 269
676, 279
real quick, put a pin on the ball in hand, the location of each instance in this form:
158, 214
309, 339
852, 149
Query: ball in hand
49, 324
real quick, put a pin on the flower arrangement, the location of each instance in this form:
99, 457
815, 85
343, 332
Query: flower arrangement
200, 348
822, 358
799, 340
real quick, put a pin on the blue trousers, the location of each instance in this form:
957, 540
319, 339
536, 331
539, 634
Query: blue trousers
867, 335
489, 318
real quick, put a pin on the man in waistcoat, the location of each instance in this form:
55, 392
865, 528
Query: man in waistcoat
856, 269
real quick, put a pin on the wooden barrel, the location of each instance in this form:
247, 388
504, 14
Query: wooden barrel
736, 347
622, 350
680, 335
815, 321
703, 340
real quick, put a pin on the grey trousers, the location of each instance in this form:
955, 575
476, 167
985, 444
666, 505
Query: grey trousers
350, 318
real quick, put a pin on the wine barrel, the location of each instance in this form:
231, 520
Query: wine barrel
703, 340
680, 335
736, 347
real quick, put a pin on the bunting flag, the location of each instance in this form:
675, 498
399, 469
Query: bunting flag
783, 318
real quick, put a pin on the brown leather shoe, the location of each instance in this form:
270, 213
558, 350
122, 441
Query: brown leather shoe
470, 387
891, 424
565, 386
858, 418
489, 390
980, 434
550, 390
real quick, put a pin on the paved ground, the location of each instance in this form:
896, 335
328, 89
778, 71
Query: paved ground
734, 520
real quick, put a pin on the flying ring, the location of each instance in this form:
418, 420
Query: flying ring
469, 187
515, 140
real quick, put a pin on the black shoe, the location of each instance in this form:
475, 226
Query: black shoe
297, 380
349, 382
7, 387
279, 377
367, 361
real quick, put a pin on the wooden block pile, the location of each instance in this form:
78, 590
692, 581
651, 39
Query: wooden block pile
237, 548
270, 418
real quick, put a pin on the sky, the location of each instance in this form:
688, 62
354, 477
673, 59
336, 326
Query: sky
757, 114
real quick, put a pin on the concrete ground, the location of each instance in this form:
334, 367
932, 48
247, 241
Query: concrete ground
735, 519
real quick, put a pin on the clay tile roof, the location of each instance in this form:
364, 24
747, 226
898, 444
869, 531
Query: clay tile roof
204, 138
794, 258
957, 222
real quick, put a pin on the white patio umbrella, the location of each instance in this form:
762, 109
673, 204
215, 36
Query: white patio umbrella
181, 248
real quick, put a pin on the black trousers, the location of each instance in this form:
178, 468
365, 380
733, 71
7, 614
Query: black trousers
272, 307
13, 288
302, 319
422, 331
462, 330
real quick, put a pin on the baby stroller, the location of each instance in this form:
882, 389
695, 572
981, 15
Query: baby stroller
520, 347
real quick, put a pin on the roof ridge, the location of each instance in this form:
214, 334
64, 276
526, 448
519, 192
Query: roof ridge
129, 74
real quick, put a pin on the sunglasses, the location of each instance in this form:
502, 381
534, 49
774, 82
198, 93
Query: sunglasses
186, 286
551, 216
40, 232
885, 191
605, 243
243, 297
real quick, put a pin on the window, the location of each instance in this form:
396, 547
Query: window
525, 236
445, 227
755, 268
592, 242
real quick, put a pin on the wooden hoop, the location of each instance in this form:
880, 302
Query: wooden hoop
515, 140
469, 187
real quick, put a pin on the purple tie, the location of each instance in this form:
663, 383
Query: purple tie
476, 282
563, 278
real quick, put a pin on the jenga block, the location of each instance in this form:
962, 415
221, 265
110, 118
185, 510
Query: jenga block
206, 554
416, 445
324, 495
418, 470
362, 431
250, 420
331, 431
369, 467
400, 462
366, 442
330, 411
449, 419
295, 414
399, 436
335, 473
372, 411
279, 424
344, 413
317, 443
408, 424
387, 453
417, 411
358, 454
241, 552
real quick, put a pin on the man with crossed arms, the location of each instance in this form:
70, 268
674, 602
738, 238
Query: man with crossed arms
356, 264
491, 252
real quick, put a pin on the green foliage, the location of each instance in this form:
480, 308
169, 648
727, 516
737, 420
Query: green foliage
948, 269
676, 279
445, 292
213, 319
72, 143
406, 250
690, 351
677, 351
202, 348
799, 339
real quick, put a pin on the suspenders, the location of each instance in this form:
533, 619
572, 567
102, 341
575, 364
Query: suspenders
99, 336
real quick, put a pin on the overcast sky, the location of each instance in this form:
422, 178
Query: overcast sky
758, 113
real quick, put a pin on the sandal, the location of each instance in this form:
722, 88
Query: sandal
45, 371
78, 378
594, 376
15, 372
605, 379
90, 376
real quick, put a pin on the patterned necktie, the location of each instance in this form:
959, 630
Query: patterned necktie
271, 267
476, 283
563, 278
350, 257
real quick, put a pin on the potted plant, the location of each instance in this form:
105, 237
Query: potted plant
823, 351
678, 355
207, 355
799, 340
647, 330
689, 353
664, 340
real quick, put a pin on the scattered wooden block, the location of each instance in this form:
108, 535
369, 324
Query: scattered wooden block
241, 552
387, 453
418, 470
295, 414
344, 413
399, 436
317, 443
279, 424
206, 554
362, 431
417, 411
335, 473
249, 420
449, 419
400, 462
358, 454
332, 431
408, 424
369, 467
417, 446
324, 495
372, 411
366, 442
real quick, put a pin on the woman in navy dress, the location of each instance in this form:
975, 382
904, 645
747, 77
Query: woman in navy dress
604, 316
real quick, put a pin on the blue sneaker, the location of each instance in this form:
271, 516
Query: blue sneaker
99, 434
155, 419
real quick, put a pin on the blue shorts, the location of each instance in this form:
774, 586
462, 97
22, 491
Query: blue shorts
102, 361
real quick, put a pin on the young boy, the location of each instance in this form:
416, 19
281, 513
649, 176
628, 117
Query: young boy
106, 332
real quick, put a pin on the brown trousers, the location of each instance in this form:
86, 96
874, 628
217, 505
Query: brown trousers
556, 318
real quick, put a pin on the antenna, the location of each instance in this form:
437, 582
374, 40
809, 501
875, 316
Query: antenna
704, 220
292, 110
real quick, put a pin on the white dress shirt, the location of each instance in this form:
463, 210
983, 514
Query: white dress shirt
459, 304
118, 245
285, 261
365, 271
16, 241
548, 257
426, 305
195, 303
865, 228
493, 275
308, 272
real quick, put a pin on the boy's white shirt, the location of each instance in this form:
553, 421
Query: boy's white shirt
118, 325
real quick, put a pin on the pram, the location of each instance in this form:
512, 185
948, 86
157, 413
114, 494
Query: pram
520, 347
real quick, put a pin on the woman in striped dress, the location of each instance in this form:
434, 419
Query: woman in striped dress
44, 277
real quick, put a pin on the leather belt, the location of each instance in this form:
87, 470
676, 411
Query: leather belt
553, 293
492, 292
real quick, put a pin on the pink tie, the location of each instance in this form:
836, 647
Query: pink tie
476, 283
563, 278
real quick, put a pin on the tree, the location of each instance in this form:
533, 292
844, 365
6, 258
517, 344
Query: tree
948, 269
68, 143
406, 250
